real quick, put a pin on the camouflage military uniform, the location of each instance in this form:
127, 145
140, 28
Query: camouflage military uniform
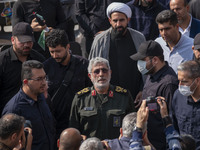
100, 115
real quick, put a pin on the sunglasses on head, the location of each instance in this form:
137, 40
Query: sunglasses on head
97, 71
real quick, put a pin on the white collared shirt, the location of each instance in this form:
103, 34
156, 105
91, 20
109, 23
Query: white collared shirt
186, 32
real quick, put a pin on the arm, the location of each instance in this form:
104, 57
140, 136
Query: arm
172, 136
142, 117
82, 17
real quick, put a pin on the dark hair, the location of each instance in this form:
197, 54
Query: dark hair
187, 142
27, 67
9, 124
57, 37
167, 16
192, 67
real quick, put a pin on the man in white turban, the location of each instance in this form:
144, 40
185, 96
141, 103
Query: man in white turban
117, 44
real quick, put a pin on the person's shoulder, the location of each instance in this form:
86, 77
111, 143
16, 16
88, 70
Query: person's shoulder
138, 33
37, 56
83, 92
120, 90
80, 60
103, 34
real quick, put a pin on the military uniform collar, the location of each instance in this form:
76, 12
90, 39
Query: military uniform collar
109, 93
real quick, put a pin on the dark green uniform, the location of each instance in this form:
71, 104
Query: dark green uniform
100, 115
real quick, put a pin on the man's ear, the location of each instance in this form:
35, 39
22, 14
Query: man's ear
12, 40
13, 136
89, 75
121, 132
193, 47
68, 46
58, 143
25, 81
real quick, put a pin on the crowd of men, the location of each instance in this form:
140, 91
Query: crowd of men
138, 89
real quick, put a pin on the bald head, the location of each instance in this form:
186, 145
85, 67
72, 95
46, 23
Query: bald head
70, 139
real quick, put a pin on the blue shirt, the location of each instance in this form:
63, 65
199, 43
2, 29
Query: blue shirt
185, 114
39, 115
171, 135
181, 52
119, 144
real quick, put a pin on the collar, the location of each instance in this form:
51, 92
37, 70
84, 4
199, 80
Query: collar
159, 73
12, 54
187, 30
29, 99
4, 146
109, 94
191, 101
123, 138
180, 41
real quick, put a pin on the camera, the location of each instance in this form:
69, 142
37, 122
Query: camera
152, 104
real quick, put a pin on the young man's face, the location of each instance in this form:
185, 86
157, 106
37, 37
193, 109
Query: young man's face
59, 53
168, 32
37, 83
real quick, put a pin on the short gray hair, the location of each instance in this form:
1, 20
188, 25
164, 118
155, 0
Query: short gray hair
91, 144
97, 60
192, 67
129, 123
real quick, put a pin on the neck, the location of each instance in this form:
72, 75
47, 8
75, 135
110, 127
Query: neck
159, 66
186, 23
196, 95
102, 91
29, 93
67, 59
173, 43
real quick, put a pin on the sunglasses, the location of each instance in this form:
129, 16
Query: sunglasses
97, 71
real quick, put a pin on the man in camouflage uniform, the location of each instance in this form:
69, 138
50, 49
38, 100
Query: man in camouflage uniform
98, 111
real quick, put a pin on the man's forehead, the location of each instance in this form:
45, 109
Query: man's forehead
118, 14
100, 64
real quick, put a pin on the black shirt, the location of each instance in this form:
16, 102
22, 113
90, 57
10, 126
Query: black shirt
124, 70
162, 83
56, 73
10, 73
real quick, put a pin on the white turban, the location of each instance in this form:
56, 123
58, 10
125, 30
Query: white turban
119, 7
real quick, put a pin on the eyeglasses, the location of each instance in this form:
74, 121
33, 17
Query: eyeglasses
40, 79
97, 71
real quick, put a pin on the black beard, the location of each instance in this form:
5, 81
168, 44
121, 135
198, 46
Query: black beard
119, 33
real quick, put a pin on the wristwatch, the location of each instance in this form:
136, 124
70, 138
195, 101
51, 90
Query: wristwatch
138, 129
166, 121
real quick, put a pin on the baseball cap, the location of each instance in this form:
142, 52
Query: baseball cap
197, 41
23, 32
148, 48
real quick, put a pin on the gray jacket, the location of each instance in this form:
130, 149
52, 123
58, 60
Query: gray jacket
101, 44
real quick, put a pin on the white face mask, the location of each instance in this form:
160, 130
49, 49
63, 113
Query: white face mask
141, 64
185, 90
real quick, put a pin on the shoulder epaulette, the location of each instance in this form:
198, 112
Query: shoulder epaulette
83, 91
120, 89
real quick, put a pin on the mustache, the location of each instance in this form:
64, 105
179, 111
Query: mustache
26, 47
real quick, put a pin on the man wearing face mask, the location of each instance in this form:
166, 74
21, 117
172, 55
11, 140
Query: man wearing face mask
161, 81
186, 101
117, 44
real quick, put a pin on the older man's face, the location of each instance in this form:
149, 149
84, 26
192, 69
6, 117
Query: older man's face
119, 22
100, 76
